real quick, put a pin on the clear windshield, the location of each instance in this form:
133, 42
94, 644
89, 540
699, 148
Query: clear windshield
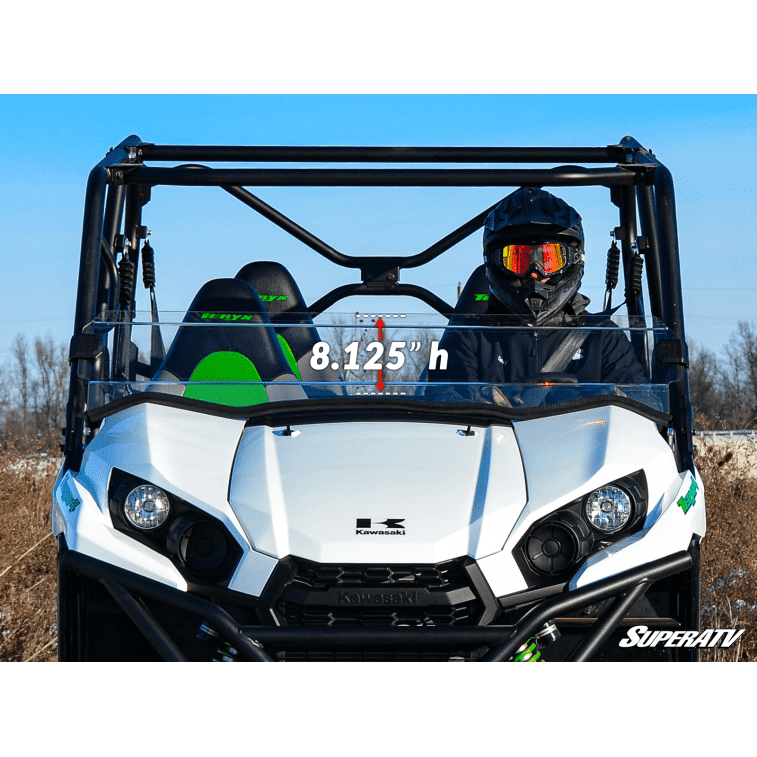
242, 359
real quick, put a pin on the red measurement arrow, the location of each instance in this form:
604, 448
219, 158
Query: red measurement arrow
380, 383
380, 325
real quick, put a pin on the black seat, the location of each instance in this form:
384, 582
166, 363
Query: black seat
474, 299
289, 315
225, 351
472, 302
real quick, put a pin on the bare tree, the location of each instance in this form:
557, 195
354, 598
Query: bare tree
50, 385
741, 376
705, 385
32, 392
22, 383
724, 394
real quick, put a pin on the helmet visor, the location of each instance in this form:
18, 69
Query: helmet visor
548, 259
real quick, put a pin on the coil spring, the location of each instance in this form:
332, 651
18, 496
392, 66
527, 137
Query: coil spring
634, 277
226, 653
127, 274
148, 265
223, 651
613, 266
528, 652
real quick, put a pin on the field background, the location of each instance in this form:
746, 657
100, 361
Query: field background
28, 552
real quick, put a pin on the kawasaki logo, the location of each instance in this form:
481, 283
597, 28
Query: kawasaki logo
377, 598
363, 527
273, 297
687, 501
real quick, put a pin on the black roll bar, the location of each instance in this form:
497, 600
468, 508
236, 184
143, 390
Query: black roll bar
661, 224
377, 177
83, 353
328, 154
123, 168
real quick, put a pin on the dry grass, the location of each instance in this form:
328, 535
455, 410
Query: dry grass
729, 551
27, 559
28, 581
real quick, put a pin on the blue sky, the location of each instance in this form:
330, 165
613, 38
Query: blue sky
50, 143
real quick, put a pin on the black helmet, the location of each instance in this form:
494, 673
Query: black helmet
532, 216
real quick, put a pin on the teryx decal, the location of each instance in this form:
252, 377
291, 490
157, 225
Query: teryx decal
71, 501
689, 499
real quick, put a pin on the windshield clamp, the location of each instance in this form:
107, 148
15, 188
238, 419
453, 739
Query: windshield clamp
85, 347
674, 352
380, 271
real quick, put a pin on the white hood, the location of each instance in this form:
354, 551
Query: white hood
390, 492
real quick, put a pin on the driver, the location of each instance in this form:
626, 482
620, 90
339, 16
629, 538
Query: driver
534, 257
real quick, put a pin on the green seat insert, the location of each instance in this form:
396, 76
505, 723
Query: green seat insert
289, 355
226, 366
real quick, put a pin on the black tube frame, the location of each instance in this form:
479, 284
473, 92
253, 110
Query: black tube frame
636, 171
127, 588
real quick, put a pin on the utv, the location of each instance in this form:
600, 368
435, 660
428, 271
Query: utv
263, 478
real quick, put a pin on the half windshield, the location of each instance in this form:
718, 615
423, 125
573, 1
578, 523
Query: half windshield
244, 359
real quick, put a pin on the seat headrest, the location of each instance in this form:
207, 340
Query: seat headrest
474, 298
275, 285
226, 297
219, 302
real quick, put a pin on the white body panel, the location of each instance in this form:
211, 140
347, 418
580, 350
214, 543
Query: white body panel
187, 454
302, 494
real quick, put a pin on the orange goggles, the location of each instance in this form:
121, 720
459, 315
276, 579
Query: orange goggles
548, 259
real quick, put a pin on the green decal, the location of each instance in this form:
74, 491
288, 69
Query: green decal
227, 316
229, 368
273, 297
686, 502
69, 499
291, 359
480, 297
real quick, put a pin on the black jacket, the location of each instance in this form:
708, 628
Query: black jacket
506, 356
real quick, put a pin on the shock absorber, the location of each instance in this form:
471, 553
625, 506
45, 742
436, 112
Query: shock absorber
222, 650
613, 269
127, 273
157, 349
148, 265
530, 650
634, 277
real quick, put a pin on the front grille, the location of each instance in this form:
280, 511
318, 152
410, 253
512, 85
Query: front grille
295, 615
321, 576
378, 595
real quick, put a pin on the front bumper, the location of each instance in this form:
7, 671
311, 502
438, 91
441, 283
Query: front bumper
256, 643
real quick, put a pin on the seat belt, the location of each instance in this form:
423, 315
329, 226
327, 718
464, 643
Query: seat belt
560, 358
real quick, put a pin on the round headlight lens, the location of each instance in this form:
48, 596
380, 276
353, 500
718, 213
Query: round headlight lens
146, 507
608, 509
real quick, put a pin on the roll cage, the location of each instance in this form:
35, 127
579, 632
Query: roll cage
120, 186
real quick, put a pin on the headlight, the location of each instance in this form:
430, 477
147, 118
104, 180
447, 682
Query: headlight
608, 509
146, 507
201, 545
559, 542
